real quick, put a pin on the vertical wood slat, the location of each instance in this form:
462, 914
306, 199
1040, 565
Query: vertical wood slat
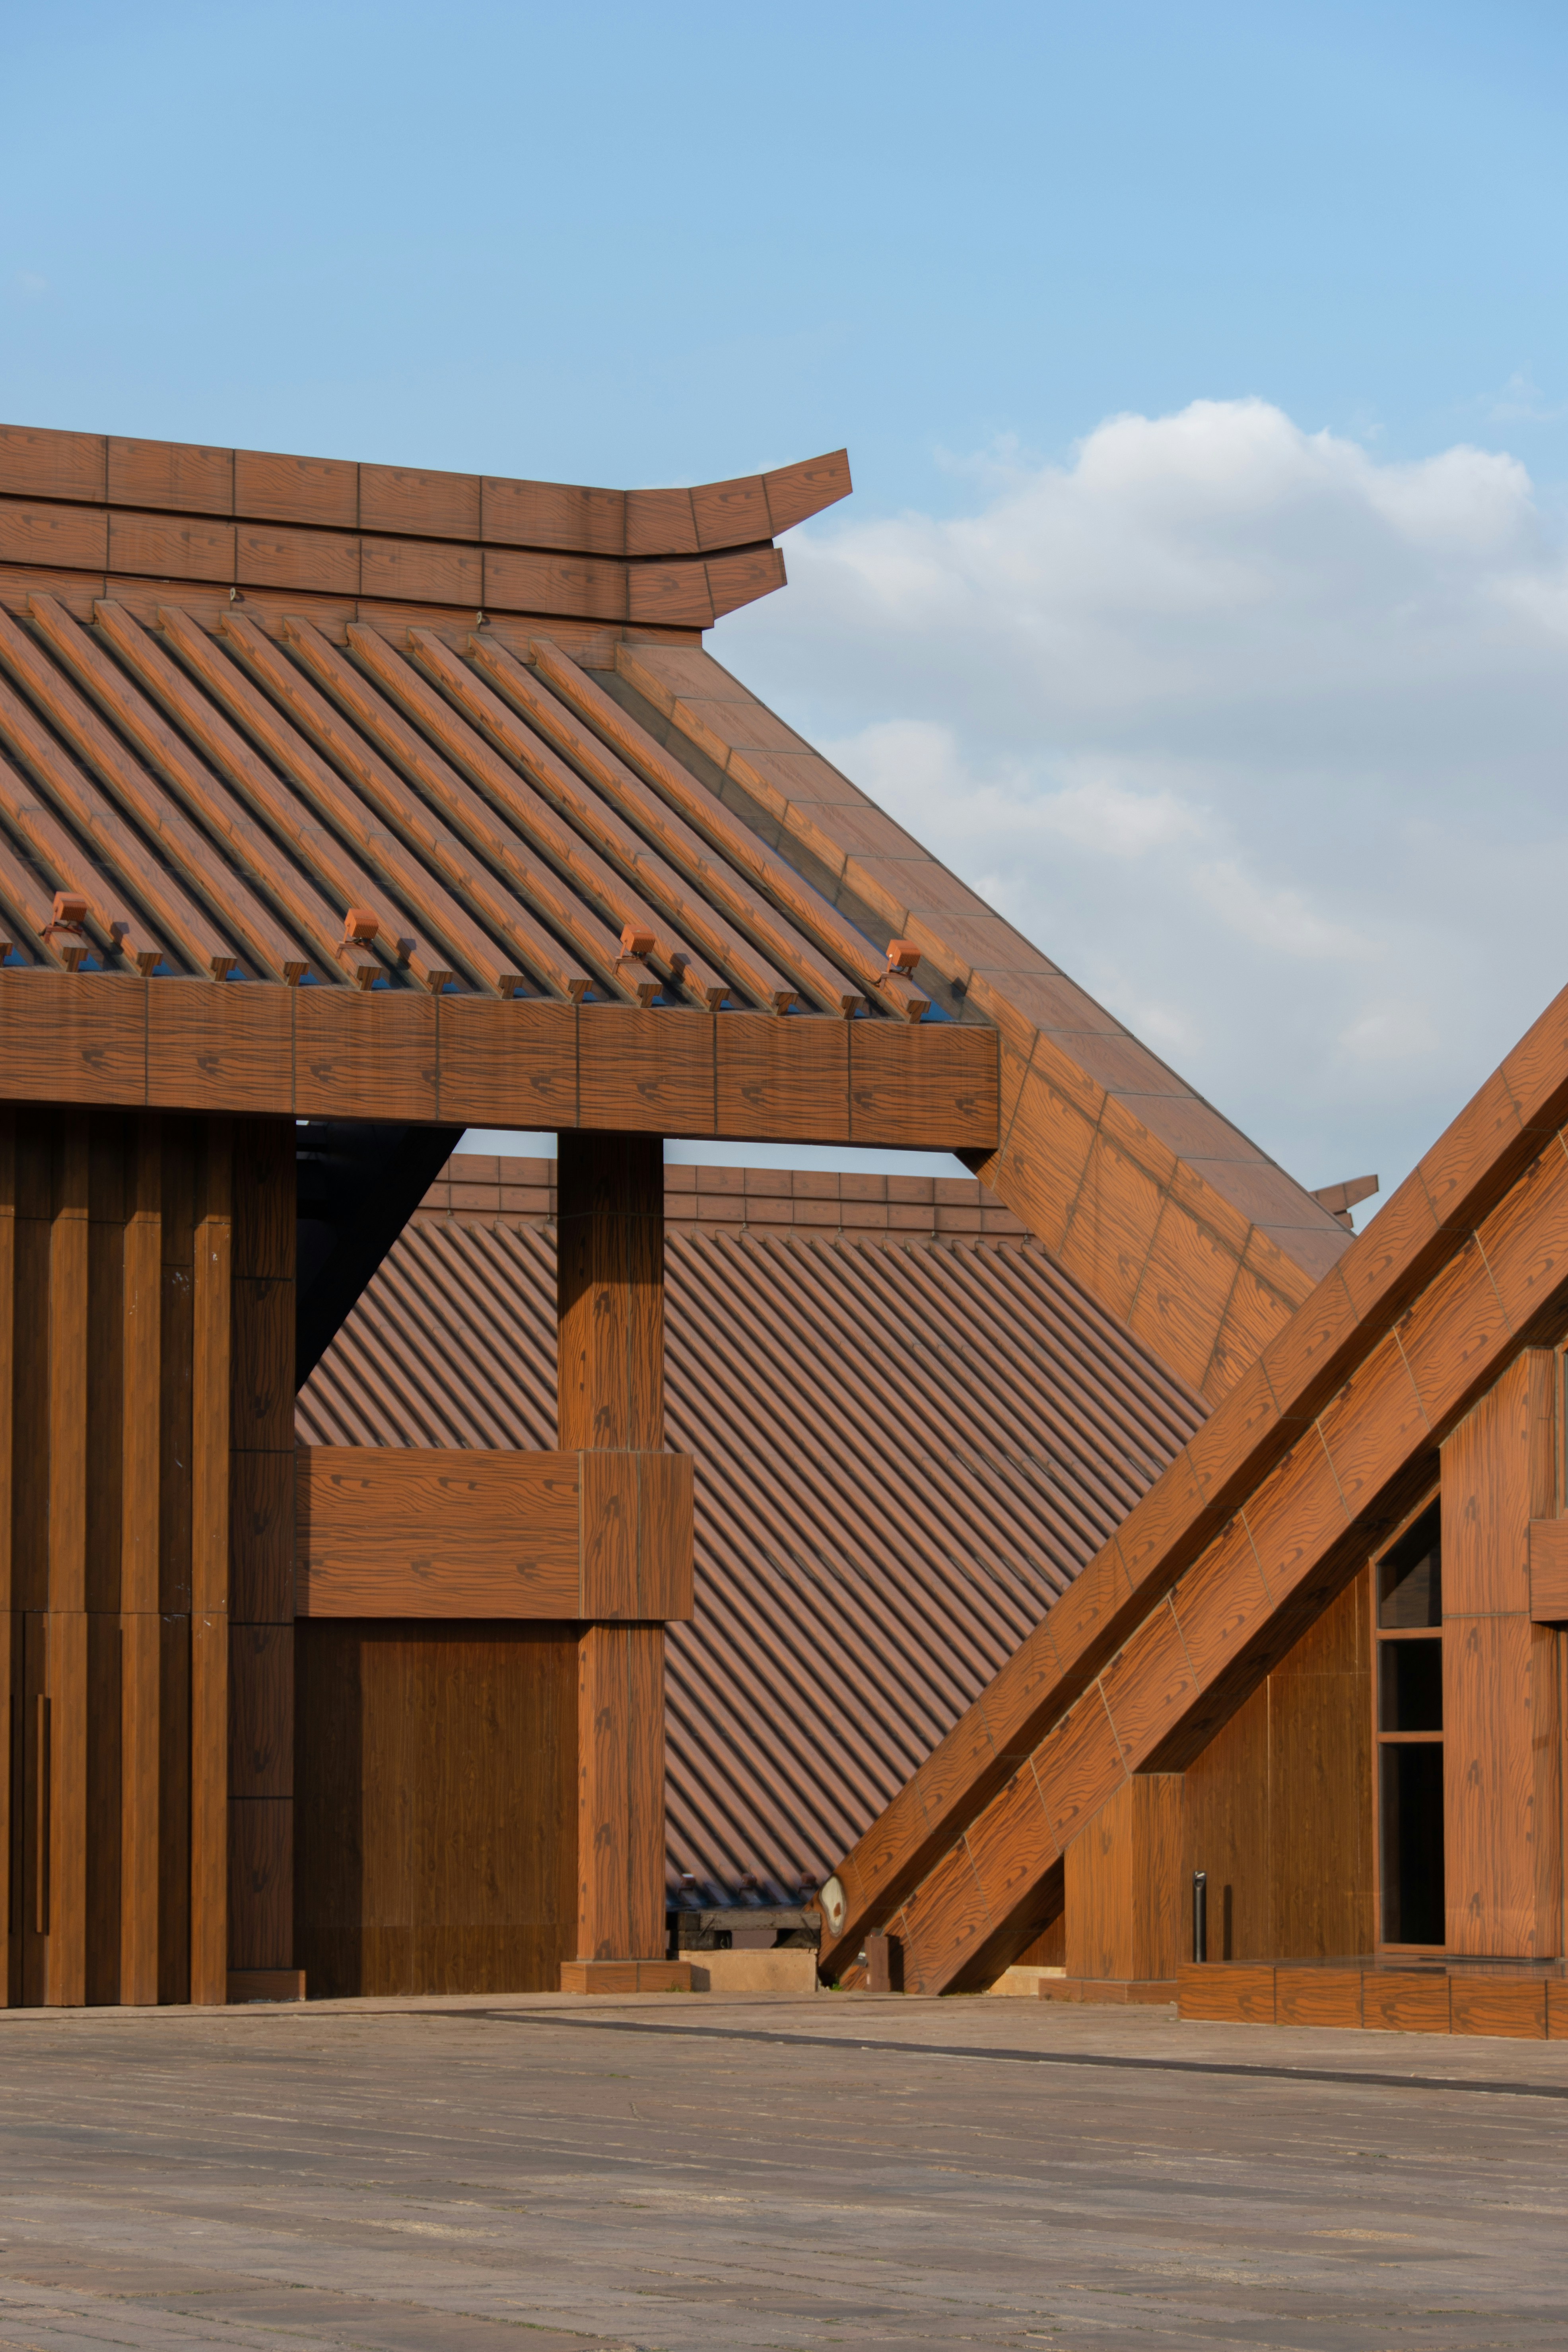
10, 1624
610, 1394
261, 1820
139, 1620
1502, 1731
209, 1567
66, 1637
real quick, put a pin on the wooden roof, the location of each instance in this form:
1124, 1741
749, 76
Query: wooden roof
1318, 1450
245, 698
909, 1430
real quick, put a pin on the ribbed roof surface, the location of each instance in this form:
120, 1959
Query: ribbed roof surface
373, 814
908, 1439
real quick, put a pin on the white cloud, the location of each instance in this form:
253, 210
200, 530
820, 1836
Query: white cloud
1264, 739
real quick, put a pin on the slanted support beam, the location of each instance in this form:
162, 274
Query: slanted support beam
610, 1398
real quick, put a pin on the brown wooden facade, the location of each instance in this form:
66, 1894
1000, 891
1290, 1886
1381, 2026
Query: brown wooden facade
341, 807
1321, 1662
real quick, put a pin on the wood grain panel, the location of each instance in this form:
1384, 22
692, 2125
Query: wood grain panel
261, 1714
260, 1889
64, 1912
1372, 1425
583, 587
1317, 1996
220, 1049
73, 1037
389, 1532
139, 1747
1501, 1787
1111, 1227
209, 1808
933, 1087
1513, 2008
365, 1056
171, 547
71, 538
943, 1923
1405, 2001
553, 514
1011, 1845
508, 1065
1146, 1687
1295, 1516
1122, 1884
436, 506
790, 1075
170, 474
1502, 1705
670, 592
422, 572
1218, 1994
1320, 1787
261, 1527
647, 1071
267, 557
262, 1369
620, 1816
51, 465
1498, 1475
296, 489
1548, 1571
733, 580
1183, 1294
610, 1292
1078, 1767
1229, 1835
13, 1808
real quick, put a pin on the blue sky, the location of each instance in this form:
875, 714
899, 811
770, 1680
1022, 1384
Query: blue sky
650, 244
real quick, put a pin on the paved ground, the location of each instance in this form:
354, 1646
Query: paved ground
712, 2175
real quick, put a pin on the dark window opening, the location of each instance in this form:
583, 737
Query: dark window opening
1410, 1579
1413, 1843
1410, 1685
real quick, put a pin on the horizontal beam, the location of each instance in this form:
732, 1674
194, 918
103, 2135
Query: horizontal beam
1548, 1571
260, 1050
385, 1531
334, 494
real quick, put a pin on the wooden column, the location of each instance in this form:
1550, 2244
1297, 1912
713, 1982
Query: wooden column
261, 1556
10, 1620
211, 1268
140, 1618
1501, 1731
1123, 1886
610, 1394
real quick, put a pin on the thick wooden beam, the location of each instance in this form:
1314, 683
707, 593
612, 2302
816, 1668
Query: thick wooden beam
1502, 1760
387, 1532
610, 1397
468, 1061
63, 1746
209, 1565
140, 1342
262, 1553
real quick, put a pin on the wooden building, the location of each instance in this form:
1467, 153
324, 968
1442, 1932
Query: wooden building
1321, 1662
343, 807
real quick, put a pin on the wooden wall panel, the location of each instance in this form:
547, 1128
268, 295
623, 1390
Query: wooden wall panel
436, 1773
1279, 1803
1502, 1796
1123, 1906
261, 1754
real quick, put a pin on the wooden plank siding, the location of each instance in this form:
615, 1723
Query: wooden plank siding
113, 1402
